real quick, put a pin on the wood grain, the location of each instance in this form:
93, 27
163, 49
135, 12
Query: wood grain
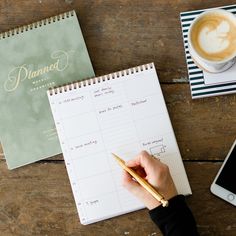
37, 200
119, 34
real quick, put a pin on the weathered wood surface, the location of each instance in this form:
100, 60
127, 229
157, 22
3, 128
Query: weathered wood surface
119, 33
37, 200
204, 128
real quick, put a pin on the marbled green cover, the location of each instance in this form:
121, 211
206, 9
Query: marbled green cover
48, 53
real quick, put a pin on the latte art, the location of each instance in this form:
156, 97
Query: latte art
214, 40
214, 37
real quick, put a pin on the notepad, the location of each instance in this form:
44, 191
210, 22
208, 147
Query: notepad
34, 58
122, 112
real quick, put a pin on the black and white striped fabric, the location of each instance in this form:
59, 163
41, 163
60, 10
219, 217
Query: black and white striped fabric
196, 76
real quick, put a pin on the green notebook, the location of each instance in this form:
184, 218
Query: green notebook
34, 58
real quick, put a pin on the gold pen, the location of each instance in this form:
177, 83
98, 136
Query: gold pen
142, 182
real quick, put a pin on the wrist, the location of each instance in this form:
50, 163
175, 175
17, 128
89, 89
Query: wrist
153, 203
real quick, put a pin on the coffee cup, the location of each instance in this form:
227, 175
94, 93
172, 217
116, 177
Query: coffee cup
212, 40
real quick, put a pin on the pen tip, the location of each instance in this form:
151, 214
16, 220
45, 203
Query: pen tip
118, 158
115, 156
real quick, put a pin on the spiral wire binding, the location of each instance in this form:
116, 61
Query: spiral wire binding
37, 24
99, 79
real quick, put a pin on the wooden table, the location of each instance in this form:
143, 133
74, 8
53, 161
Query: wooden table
37, 199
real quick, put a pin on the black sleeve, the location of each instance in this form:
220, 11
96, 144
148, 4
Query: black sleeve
176, 219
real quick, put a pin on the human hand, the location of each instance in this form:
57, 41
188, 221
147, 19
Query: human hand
155, 173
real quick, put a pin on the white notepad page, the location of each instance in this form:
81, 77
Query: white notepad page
123, 113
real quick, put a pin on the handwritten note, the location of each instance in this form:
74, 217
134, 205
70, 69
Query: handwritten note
123, 115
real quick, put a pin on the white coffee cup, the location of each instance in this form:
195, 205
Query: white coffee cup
212, 40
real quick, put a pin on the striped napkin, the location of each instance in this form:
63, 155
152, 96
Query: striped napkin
203, 84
